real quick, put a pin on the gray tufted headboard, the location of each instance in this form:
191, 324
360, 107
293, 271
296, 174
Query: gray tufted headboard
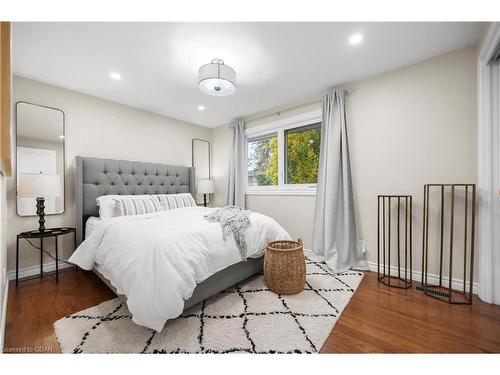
96, 177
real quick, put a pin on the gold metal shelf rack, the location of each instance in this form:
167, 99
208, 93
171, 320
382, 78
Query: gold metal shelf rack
400, 278
450, 290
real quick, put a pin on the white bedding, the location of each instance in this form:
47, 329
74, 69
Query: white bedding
157, 259
90, 225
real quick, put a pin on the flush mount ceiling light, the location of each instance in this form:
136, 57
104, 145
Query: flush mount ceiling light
217, 79
355, 39
201, 108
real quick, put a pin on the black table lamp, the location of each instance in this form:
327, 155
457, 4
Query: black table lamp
39, 186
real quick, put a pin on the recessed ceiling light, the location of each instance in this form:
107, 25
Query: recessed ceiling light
116, 76
61, 136
355, 39
201, 108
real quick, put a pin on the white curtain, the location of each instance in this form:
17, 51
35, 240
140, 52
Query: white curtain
235, 191
335, 237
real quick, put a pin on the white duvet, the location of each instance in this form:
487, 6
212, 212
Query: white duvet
156, 260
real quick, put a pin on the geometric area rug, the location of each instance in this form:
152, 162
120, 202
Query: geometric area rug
246, 318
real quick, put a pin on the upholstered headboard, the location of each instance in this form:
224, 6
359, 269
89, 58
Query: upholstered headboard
96, 177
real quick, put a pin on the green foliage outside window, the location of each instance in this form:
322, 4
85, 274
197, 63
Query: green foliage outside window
302, 157
263, 161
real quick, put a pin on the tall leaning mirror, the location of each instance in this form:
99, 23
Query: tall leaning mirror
201, 162
40, 159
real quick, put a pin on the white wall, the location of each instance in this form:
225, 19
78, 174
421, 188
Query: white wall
98, 128
406, 128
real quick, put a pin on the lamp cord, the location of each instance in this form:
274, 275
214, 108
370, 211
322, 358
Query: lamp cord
50, 255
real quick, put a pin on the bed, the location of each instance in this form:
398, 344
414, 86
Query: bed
96, 177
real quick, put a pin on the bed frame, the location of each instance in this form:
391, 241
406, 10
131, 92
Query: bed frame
96, 177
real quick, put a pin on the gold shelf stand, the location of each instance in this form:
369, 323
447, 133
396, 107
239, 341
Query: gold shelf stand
440, 291
384, 241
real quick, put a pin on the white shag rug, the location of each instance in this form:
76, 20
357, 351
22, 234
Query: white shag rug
246, 318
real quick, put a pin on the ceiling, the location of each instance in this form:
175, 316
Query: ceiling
277, 64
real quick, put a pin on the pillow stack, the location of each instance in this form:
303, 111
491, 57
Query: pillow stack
124, 205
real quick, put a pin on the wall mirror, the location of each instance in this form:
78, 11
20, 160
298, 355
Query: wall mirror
201, 162
40, 151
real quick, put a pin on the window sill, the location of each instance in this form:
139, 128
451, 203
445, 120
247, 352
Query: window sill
281, 192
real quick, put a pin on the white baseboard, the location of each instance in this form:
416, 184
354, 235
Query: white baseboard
416, 275
431, 278
3, 317
35, 270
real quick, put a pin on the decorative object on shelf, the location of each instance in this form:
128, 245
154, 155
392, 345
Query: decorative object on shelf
285, 267
446, 288
52, 232
402, 278
39, 186
205, 187
217, 78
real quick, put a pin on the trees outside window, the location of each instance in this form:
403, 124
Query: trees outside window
286, 157
263, 161
302, 154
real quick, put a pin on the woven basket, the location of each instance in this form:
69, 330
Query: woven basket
285, 267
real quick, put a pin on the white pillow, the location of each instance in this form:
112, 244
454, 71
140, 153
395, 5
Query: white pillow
137, 206
107, 204
111, 206
171, 201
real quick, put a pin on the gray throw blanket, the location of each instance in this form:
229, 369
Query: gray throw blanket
235, 221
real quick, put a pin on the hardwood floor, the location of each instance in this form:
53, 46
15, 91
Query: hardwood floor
34, 306
377, 320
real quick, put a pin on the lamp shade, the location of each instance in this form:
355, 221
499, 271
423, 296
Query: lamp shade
34, 185
205, 187
217, 79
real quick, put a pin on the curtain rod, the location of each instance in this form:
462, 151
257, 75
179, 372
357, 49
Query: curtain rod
278, 113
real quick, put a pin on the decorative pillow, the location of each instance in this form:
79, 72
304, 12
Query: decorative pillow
107, 203
171, 201
137, 206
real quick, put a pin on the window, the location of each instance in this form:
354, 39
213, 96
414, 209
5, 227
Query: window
302, 154
283, 157
263, 161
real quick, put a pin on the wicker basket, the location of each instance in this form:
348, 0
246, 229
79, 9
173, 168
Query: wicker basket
285, 267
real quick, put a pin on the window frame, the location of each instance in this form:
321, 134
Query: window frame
316, 125
279, 127
254, 138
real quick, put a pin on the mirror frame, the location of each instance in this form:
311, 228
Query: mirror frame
209, 161
64, 156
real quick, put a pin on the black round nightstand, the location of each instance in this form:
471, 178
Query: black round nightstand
49, 232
